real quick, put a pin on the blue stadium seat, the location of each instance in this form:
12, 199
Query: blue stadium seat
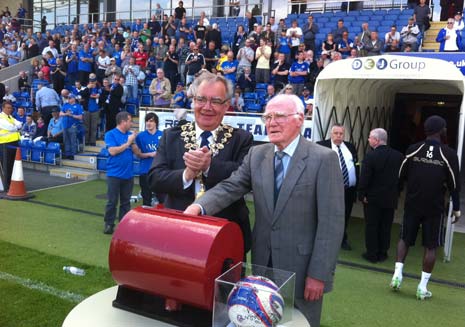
52, 154
253, 107
145, 100
38, 150
249, 96
135, 166
102, 159
26, 147
131, 106
262, 86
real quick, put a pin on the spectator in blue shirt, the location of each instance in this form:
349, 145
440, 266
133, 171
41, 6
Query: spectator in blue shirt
14, 55
147, 143
229, 67
283, 46
298, 72
71, 113
86, 60
120, 144
20, 115
72, 59
55, 128
179, 97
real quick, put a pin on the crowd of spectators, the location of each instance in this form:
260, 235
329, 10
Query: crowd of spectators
108, 65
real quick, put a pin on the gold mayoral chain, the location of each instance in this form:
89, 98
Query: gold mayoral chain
189, 136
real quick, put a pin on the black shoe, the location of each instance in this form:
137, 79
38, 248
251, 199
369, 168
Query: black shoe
346, 246
108, 229
369, 258
382, 257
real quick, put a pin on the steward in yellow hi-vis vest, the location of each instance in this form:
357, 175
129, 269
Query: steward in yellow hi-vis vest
9, 137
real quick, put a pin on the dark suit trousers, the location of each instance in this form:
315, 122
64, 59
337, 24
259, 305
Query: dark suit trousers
378, 222
350, 195
311, 310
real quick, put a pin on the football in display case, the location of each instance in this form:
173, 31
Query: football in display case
254, 296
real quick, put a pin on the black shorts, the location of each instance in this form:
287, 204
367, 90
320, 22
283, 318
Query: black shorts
432, 229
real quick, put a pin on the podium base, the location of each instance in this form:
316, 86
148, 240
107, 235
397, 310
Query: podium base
153, 306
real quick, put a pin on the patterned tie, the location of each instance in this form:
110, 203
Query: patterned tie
278, 173
345, 172
204, 136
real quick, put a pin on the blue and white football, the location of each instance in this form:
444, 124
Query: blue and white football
255, 302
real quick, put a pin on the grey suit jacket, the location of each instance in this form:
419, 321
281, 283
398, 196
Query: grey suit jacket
303, 233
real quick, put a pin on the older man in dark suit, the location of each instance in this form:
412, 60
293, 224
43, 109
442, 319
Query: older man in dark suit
299, 225
350, 170
194, 157
378, 190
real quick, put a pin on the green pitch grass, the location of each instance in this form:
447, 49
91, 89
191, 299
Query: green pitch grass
36, 241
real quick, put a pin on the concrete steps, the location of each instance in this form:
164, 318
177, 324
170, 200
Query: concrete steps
429, 41
74, 173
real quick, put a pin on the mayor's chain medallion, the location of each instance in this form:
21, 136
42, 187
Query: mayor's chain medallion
189, 137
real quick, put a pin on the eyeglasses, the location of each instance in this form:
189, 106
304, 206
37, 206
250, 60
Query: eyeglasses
214, 102
279, 117
448, 23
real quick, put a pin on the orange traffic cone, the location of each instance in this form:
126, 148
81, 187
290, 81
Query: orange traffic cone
17, 188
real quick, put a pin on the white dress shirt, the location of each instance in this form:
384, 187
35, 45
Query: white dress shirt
349, 160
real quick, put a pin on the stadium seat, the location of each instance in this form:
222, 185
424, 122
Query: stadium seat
26, 146
131, 106
52, 154
102, 159
37, 151
135, 166
253, 107
146, 100
261, 86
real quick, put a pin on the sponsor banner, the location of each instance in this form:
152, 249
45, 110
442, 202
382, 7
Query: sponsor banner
252, 124
455, 58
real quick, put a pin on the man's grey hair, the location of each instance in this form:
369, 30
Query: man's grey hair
298, 104
380, 134
209, 78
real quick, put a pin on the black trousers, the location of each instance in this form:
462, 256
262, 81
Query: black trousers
350, 194
117, 189
8, 151
378, 223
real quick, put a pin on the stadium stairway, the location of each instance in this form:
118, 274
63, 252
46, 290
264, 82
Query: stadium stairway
84, 165
429, 42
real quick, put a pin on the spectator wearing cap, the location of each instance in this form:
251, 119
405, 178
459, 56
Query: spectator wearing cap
449, 38
179, 97
459, 25
112, 70
55, 127
305, 97
409, 35
71, 113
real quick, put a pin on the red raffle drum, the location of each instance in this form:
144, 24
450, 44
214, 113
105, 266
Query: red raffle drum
166, 253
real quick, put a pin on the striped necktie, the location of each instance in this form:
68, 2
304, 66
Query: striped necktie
278, 173
345, 172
